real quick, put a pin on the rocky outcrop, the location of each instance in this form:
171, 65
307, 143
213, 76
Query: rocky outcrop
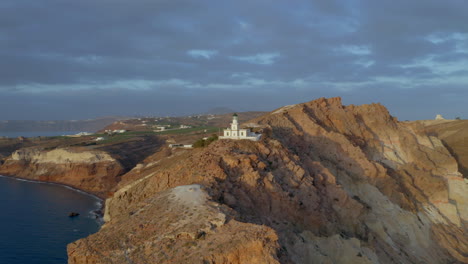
93, 171
454, 135
327, 183
182, 220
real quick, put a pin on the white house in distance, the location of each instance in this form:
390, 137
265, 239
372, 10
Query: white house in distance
234, 132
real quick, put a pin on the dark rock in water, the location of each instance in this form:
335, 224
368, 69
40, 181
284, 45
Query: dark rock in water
73, 214
98, 212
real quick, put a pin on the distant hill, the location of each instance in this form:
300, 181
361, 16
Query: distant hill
219, 111
150, 123
89, 125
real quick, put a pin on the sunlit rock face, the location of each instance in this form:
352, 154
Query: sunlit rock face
93, 171
180, 225
327, 183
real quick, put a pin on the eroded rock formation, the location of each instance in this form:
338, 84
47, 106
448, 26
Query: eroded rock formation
182, 220
453, 134
93, 171
326, 184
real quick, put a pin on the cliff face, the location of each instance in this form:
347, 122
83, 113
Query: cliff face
327, 184
454, 134
93, 171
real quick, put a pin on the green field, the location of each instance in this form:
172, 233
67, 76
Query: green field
189, 130
131, 134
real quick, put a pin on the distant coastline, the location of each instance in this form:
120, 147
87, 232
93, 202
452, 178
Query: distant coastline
90, 125
29, 134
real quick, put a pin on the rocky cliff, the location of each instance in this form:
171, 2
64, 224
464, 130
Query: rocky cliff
78, 162
93, 171
454, 134
328, 183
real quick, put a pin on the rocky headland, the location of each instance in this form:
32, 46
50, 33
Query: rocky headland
92, 171
327, 183
75, 162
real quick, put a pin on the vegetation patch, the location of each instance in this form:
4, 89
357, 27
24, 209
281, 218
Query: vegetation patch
205, 142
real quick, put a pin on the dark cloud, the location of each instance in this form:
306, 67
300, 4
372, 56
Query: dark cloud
79, 59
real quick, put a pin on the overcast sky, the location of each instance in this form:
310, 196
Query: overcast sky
63, 59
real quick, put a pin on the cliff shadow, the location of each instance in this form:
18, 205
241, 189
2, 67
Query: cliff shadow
289, 195
130, 153
292, 202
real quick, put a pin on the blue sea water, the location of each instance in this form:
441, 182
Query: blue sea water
34, 223
37, 133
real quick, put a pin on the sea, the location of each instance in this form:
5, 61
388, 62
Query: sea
34, 224
37, 134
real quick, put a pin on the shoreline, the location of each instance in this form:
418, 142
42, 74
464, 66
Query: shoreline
99, 212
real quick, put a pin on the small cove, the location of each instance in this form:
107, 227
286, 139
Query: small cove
34, 222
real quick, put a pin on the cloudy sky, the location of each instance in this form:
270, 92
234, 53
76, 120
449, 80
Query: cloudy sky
63, 59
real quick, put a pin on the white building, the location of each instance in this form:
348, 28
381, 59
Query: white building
180, 146
80, 134
234, 132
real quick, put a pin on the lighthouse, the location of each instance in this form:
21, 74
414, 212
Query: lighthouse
234, 132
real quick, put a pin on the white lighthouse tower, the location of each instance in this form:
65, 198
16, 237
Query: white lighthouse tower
234, 132
235, 122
